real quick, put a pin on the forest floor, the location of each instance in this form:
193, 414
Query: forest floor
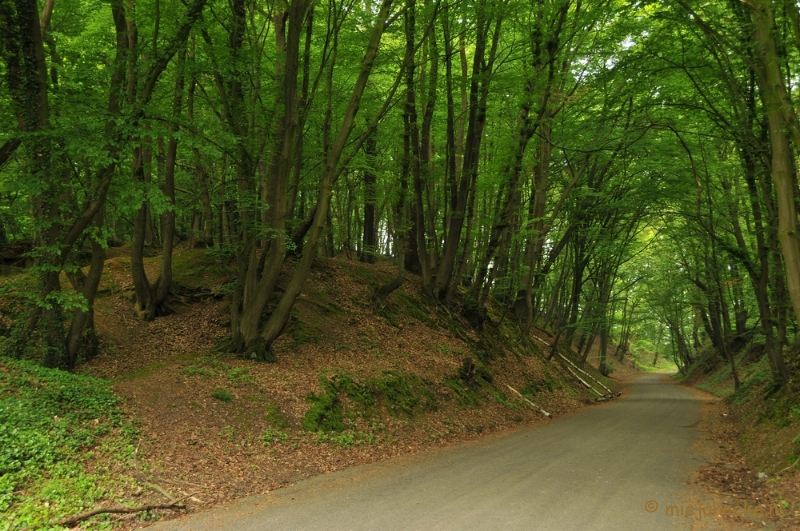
215, 427
210, 427
757, 433
620, 466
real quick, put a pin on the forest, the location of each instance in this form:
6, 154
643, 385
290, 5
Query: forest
616, 172
245, 242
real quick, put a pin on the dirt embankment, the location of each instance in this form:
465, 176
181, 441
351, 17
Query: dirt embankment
349, 387
752, 437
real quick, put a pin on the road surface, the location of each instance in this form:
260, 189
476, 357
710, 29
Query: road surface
620, 466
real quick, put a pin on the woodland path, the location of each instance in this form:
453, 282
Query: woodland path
596, 469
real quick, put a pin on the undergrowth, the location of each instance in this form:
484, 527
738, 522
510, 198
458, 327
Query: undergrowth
52, 423
400, 394
768, 417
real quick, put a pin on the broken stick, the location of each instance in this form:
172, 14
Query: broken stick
584, 382
610, 392
542, 411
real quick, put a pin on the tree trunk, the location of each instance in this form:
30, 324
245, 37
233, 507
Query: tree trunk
368, 250
257, 291
280, 317
482, 69
777, 106
151, 298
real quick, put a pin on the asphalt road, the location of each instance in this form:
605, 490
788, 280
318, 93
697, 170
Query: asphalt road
619, 466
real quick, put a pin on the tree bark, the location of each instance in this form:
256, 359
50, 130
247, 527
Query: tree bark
368, 249
280, 316
777, 106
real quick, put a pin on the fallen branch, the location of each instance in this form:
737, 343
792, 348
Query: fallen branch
584, 382
73, 520
788, 467
160, 490
534, 336
542, 411
610, 392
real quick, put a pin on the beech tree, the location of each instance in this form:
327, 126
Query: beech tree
609, 171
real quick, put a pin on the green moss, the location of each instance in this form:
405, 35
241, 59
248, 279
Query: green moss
500, 398
389, 313
751, 385
414, 307
464, 395
398, 393
303, 333
359, 394
276, 418
326, 412
197, 370
549, 384
202, 267
222, 395
403, 393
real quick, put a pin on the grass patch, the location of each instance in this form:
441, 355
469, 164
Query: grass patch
207, 267
547, 384
145, 371
414, 307
209, 365
239, 376
51, 424
223, 395
198, 370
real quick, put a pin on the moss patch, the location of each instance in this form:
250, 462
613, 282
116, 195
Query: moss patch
400, 394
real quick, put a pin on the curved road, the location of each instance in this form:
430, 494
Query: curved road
621, 466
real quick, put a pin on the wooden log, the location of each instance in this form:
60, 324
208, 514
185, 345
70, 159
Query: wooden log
542, 411
610, 392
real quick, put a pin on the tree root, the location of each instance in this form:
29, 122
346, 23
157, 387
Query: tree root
72, 520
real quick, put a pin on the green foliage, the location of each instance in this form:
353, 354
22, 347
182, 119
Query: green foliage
49, 420
276, 417
223, 395
326, 412
272, 435
349, 438
198, 370
239, 376
464, 395
400, 394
